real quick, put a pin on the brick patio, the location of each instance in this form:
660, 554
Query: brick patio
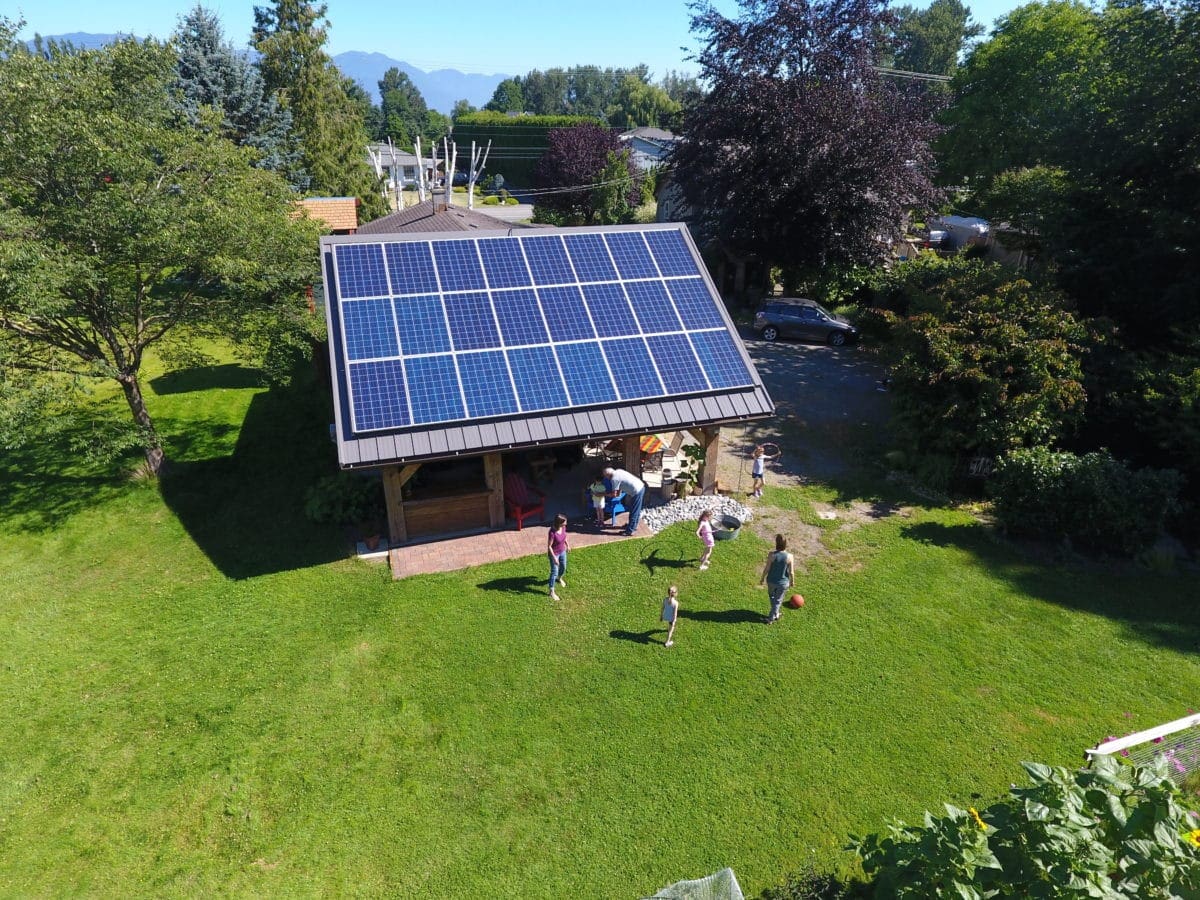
449, 554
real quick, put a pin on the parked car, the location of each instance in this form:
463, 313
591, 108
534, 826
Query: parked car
804, 319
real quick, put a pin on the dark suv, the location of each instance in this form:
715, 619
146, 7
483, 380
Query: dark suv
804, 319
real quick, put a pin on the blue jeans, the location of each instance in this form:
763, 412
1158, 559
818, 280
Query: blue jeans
558, 568
776, 592
634, 504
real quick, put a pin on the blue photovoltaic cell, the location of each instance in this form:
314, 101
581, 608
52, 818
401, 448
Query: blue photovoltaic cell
677, 364
520, 317
486, 384
504, 263
410, 266
422, 325
471, 324
476, 327
590, 257
360, 271
535, 376
367, 325
586, 375
671, 253
632, 369
565, 314
610, 310
433, 389
458, 266
548, 260
652, 306
695, 304
630, 254
378, 392
720, 358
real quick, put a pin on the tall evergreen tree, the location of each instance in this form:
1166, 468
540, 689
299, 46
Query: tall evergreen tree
402, 106
291, 35
212, 73
932, 39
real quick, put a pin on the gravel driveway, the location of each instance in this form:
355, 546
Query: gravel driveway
829, 407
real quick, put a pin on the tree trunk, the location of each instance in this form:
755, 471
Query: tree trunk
137, 405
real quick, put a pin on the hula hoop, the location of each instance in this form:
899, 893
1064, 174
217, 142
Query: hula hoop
767, 450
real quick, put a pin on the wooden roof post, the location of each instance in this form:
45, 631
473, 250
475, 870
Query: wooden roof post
632, 451
712, 453
393, 480
493, 476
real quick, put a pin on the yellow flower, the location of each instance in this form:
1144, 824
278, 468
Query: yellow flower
983, 825
1193, 837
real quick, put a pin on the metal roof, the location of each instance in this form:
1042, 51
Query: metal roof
423, 218
528, 429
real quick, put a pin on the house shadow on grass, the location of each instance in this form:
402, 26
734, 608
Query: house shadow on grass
245, 511
1159, 609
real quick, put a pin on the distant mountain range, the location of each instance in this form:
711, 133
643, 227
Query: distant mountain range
440, 88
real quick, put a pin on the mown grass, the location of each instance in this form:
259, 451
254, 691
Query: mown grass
199, 695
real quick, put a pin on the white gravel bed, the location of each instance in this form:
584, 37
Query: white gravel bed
689, 509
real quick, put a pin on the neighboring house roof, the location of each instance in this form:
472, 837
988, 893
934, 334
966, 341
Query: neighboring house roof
649, 133
403, 158
423, 218
378, 411
338, 213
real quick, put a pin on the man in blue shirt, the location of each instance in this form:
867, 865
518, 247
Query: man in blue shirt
635, 491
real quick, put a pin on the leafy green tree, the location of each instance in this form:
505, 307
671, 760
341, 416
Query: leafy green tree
985, 362
462, 107
508, 97
638, 103
614, 199
932, 39
403, 107
291, 35
210, 72
123, 230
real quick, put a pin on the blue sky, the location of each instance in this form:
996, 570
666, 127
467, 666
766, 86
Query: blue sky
513, 37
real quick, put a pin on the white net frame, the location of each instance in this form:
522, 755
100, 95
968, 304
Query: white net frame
1175, 743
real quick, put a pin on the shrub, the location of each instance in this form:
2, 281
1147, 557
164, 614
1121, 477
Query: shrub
344, 499
490, 201
1095, 501
511, 201
459, 189
813, 885
1109, 831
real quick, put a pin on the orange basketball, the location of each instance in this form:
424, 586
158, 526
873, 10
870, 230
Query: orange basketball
796, 601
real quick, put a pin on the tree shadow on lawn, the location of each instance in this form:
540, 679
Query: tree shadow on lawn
1158, 609
207, 378
246, 511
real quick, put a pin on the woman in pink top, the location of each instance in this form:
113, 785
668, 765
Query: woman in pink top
705, 533
556, 549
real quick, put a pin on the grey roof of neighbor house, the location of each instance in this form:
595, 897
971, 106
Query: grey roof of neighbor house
649, 133
527, 429
424, 218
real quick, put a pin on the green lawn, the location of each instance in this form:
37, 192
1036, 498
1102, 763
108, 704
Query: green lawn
198, 694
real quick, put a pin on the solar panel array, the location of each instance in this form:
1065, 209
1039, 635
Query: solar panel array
441, 331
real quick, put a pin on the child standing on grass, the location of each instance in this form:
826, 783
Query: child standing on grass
705, 532
556, 549
670, 612
758, 468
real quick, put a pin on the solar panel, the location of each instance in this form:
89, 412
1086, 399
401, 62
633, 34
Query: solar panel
441, 330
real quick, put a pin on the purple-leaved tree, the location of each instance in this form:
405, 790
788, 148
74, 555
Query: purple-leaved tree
801, 154
576, 159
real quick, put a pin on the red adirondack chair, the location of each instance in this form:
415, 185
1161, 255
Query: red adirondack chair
522, 501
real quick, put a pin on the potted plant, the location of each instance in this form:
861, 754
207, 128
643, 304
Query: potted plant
692, 462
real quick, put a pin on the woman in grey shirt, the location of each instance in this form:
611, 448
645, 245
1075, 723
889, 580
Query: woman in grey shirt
778, 574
